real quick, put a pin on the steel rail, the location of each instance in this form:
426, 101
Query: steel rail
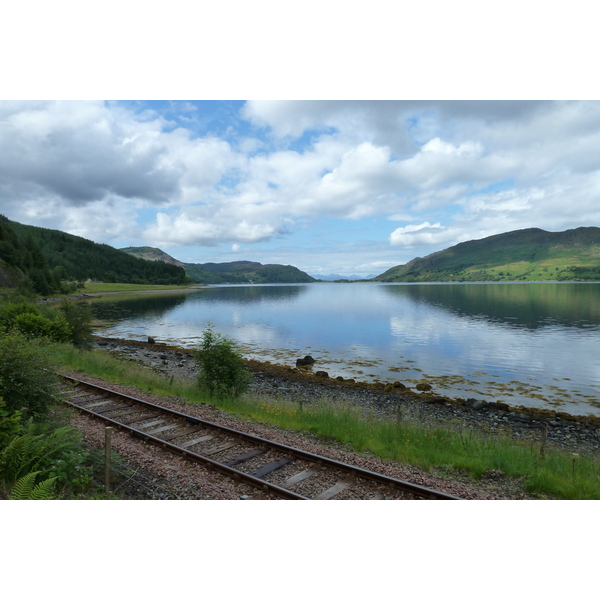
296, 452
211, 464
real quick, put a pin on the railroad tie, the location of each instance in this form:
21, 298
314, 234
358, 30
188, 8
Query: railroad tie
142, 418
104, 402
244, 457
296, 479
219, 448
151, 424
111, 408
178, 434
189, 443
83, 398
266, 469
334, 490
164, 428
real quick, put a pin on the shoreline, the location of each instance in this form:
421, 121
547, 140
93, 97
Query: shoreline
85, 295
569, 432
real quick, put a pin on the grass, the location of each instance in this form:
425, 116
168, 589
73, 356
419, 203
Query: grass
104, 288
553, 474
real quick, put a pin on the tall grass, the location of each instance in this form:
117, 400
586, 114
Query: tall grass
551, 474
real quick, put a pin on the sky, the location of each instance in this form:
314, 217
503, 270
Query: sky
335, 186
335, 139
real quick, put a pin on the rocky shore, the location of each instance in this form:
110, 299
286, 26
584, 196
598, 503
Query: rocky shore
542, 427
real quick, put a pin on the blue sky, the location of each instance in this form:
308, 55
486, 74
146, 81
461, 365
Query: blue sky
346, 187
326, 182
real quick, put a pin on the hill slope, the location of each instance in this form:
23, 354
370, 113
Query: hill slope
522, 255
242, 271
80, 259
154, 254
22, 264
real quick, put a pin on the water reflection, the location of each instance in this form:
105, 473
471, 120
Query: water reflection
250, 294
467, 338
532, 305
117, 309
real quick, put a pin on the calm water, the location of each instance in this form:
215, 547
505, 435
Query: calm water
528, 344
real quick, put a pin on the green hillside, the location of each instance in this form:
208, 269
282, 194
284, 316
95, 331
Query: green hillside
22, 263
242, 271
76, 258
523, 255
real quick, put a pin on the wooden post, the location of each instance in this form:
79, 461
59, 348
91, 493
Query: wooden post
544, 439
107, 455
399, 416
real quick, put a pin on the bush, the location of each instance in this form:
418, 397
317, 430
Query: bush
9, 311
41, 327
79, 318
69, 322
223, 373
27, 379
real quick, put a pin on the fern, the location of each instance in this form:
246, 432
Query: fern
34, 451
24, 488
21, 455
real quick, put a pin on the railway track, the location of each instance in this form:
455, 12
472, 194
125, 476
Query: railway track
273, 468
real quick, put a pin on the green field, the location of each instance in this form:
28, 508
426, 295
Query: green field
107, 288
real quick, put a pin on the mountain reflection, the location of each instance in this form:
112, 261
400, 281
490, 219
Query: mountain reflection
249, 294
531, 305
157, 305
126, 308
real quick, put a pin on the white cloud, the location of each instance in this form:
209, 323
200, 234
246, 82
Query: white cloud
205, 227
424, 234
82, 152
449, 171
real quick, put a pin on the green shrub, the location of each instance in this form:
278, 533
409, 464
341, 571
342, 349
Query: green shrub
41, 327
69, 322
79, 318
27, 379
9, 311
223, 373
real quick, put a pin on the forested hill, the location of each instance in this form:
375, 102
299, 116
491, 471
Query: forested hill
22, 263
242, 271
76, 258
522, 255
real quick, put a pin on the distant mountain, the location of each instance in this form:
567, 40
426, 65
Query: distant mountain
337, 277
242, 271
522, 255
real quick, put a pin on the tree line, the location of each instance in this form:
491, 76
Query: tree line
47, 259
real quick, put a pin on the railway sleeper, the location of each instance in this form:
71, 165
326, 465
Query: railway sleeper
269, 468
334, 490
112, 408
142, 418
244, 457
